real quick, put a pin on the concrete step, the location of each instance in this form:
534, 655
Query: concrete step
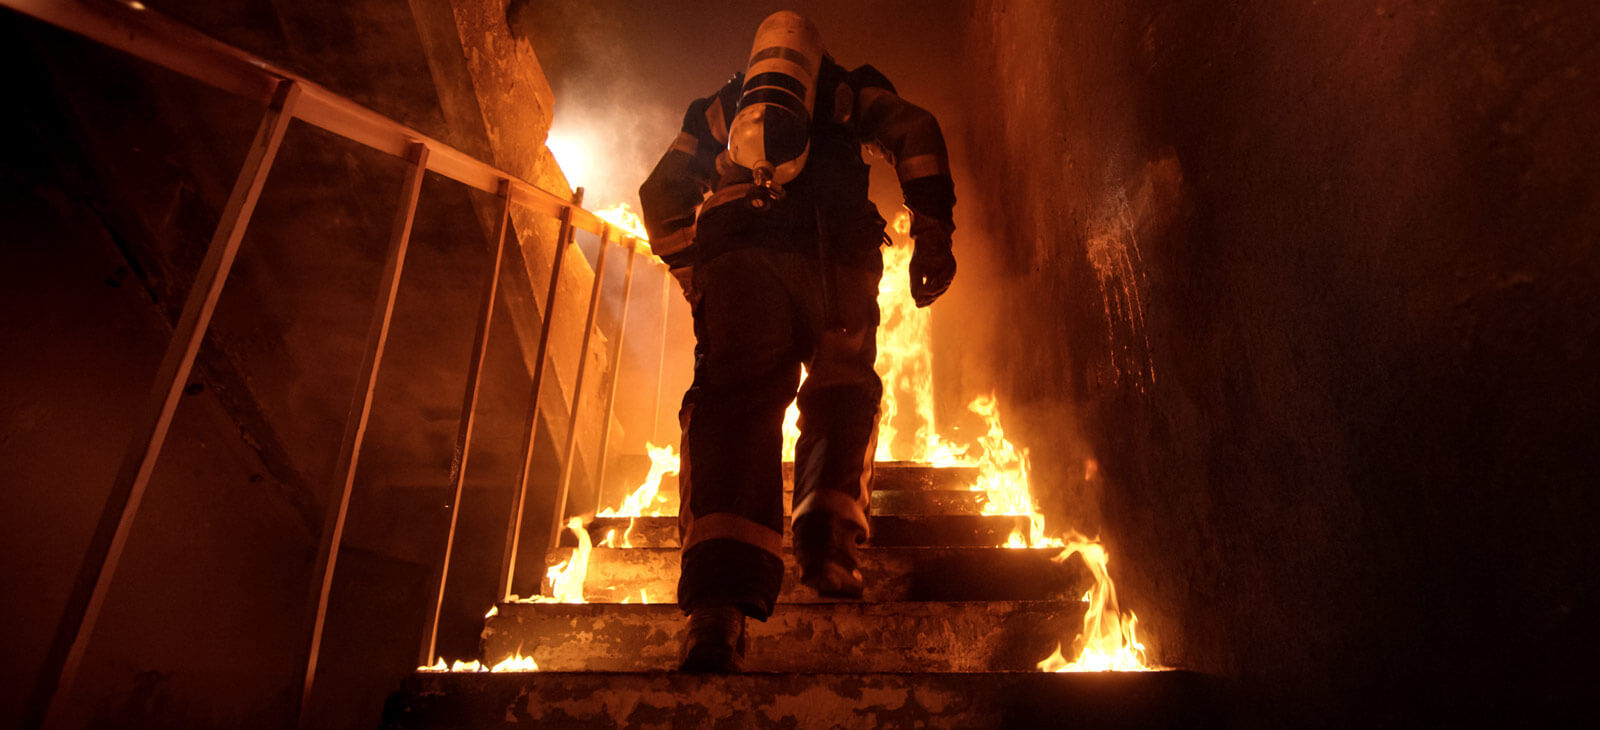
928, 502
887, 476
810, 637
887, 530
984, 701
889, 502
616, 575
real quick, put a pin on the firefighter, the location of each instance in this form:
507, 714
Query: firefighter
759, 207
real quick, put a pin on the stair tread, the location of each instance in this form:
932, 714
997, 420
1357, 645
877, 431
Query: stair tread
891, 573
819, 699
946, 530
888, 476
891, 502
888, 636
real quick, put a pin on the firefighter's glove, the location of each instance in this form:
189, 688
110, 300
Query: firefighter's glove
933, 266
685, 277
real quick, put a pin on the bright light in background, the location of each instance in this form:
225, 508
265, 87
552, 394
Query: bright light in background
572, 154
606, 150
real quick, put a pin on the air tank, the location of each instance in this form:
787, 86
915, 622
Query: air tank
771, 131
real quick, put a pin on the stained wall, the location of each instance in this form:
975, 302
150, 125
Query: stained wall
1301, 299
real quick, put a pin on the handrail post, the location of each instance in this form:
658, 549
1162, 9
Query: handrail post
569, 452
355, 428
469, 407
616, 374
667, 282
519, 503
110, 537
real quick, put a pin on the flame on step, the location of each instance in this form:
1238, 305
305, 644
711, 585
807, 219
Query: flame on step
1109, 641
646, 501
905, 362
515, 663
622, 216
566, 578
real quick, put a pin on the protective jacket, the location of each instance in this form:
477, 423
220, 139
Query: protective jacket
853, 109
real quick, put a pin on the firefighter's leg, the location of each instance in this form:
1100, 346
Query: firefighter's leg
838, 431
731, 483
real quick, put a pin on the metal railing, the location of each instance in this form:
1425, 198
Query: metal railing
129, 27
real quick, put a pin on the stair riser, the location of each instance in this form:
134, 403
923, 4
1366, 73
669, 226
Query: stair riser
887, 530
892, 502
892, 574
981, 701
886, 476
845, 637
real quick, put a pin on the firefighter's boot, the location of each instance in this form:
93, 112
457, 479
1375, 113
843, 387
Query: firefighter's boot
714, 643
827, 549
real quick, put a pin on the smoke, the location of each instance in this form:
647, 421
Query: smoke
611, 120
608, 149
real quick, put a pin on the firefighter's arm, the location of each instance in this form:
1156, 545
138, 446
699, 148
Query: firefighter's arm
912, 141
672, 193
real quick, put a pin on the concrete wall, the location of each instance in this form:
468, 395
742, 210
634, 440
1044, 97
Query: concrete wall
1314, 285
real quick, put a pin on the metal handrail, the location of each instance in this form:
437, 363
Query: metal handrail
128, 26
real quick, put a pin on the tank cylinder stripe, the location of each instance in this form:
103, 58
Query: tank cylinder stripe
777, 79
775, 97
788, 54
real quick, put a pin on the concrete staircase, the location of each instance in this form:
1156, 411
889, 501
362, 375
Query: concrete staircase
948, 635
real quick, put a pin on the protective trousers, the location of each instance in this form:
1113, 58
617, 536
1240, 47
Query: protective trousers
762, 313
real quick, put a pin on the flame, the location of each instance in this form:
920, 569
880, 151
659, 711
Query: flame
905, 362
622, 216
566, 579
515, 663
791, 422
1110, 639
646, 501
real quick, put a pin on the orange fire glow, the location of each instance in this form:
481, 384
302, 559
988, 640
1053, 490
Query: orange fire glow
907, 432
622, 216
647, 500
1109, 641
565, 580
514, 663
